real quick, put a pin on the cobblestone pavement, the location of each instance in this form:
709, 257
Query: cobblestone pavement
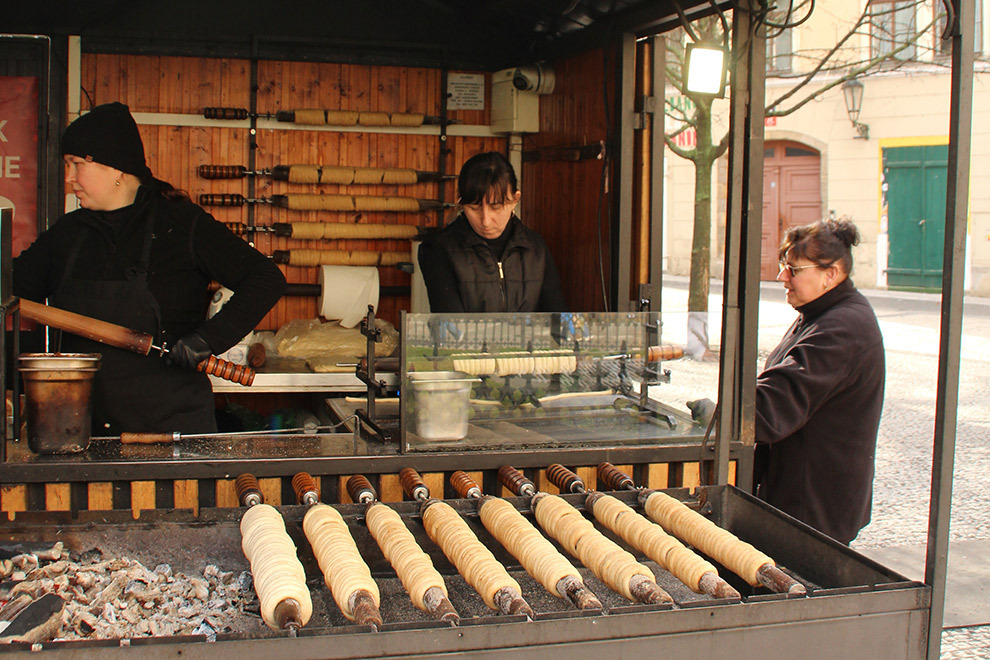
910, 326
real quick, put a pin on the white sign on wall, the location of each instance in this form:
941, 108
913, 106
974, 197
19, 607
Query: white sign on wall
466, 91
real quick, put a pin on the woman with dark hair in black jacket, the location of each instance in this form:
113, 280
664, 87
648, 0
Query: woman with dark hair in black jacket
820, 395
486, 260
140, 254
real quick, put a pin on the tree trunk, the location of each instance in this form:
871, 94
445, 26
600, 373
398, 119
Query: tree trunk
701, 258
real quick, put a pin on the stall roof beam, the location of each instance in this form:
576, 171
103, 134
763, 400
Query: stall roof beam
477, 35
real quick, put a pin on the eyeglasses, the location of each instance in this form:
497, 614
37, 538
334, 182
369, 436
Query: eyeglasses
793, 270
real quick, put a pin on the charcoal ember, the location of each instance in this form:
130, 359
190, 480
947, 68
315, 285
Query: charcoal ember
84, 623
84, 579
111, 591
245, 581
200, 589
25, 562
187, 611
131, 614
204, 628
49, 570
53, 554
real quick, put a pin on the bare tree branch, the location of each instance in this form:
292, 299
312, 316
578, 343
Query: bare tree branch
871, 65
686, 154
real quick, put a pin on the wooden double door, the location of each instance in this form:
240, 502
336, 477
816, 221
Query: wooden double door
792, 195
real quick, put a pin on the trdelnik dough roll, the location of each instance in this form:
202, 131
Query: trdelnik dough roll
346, 292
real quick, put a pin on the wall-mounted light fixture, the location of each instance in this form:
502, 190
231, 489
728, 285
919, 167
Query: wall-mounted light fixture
706, 64
852, 90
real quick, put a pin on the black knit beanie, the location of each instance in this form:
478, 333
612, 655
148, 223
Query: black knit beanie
108, 134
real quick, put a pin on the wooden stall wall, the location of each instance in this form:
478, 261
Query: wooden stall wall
142, 495
186, 85
561, 193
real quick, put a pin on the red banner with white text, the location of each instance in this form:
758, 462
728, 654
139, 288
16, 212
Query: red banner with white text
19, 156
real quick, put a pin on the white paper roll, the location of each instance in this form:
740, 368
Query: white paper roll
346, 292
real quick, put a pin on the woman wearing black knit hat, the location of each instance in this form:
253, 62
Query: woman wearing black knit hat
140, 254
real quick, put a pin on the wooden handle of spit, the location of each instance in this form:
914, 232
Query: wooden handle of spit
125, 338
147, 438
90, 328
665, 352
226, 370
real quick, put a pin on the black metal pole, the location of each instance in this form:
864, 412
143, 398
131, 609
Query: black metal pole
741, 288
953, 263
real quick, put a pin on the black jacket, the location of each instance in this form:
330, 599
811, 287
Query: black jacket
818, 405
189, 248
463, 273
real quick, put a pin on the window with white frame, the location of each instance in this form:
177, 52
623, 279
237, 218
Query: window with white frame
893, 28
780, 50
945, 45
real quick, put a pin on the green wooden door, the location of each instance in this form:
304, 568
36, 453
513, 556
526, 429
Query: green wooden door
915, 180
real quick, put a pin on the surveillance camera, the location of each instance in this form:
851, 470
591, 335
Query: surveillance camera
537, 78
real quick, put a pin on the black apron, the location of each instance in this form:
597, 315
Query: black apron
133, 392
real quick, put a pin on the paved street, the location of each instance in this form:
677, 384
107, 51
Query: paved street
897, 535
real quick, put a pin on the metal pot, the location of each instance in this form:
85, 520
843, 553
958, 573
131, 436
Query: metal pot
58, 391
441, 400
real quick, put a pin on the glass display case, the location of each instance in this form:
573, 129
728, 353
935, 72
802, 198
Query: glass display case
539, 380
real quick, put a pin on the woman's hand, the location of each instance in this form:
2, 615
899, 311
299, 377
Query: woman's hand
188, 351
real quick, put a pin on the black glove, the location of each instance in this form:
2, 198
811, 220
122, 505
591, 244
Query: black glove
701, 410
188, 351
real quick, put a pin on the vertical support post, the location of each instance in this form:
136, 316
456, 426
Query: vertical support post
6, 302
657, 158
444, 147
953, 263
741, 289
252, 130
74, 78
626, 115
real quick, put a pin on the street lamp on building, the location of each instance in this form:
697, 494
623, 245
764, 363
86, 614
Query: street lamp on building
852, 90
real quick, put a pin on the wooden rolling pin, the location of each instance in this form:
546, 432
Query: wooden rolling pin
125, 338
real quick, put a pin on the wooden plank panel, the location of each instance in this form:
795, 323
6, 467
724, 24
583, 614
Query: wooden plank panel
142, 496
732, 473
589, 475
57, 497
690, 475
186, 494
271, 490
389, 488
100, 496
227, 494
13, 498
434, 481
658, 476
343, 496
544, 484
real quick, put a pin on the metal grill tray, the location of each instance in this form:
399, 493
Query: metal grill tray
833, 573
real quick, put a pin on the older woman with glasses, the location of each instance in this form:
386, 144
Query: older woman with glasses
819, 397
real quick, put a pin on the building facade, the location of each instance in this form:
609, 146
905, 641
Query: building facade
886, 170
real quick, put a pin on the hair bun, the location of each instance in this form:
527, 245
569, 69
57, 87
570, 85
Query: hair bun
844, 230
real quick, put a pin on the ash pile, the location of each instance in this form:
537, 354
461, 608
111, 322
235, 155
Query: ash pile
48, 594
